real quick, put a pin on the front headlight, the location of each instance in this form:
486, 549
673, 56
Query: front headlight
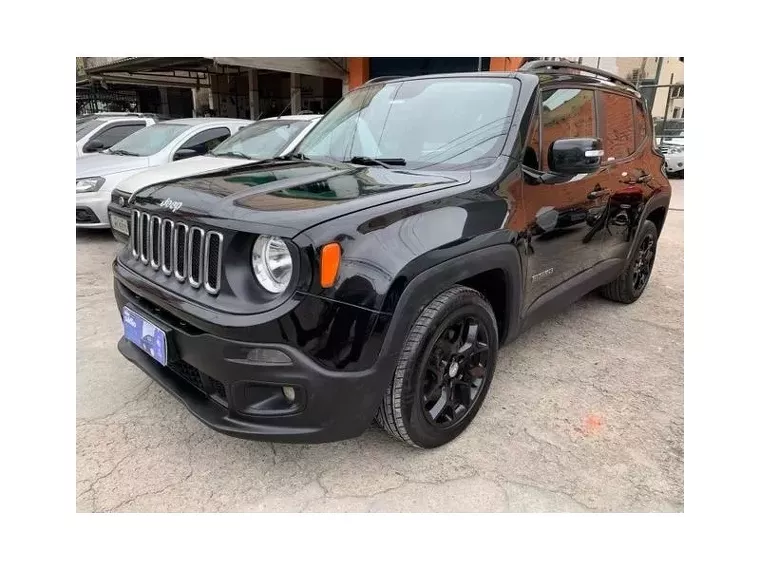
272, 263
89, 184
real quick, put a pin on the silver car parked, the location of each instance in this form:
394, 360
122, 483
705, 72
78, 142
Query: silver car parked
162, 143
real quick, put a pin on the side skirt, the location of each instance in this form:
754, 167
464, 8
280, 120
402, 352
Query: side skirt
571, 290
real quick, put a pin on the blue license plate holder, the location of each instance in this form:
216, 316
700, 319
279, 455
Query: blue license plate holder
146, 335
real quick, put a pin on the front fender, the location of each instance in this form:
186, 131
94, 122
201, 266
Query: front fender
405, 305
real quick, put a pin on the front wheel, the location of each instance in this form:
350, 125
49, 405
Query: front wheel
444, 371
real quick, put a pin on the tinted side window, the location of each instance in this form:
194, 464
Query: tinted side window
111, 135
617, 135
640, 119
206, 140
565, 114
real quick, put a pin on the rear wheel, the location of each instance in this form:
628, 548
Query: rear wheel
444, 372
631, 283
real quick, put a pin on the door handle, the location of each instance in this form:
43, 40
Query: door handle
643, 178
598, 193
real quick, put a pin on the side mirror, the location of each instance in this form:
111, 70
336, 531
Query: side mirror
185, 153
575, 156
93, 146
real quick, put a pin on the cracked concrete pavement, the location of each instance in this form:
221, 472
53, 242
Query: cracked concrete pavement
585, 413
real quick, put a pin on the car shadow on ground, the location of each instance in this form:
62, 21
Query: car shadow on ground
94, 236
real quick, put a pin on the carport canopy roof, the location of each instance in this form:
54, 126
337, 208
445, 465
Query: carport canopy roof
318, 66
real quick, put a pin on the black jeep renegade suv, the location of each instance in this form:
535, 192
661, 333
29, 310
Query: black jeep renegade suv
375, 273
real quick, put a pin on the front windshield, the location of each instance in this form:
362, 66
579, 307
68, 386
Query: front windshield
87, 126
149, 140
261, 140
438, 123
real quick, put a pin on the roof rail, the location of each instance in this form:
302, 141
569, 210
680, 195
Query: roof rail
384, 78
549, 65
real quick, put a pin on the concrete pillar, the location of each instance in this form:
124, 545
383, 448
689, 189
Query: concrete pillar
194, 92
295, 94
163, 93
253, 93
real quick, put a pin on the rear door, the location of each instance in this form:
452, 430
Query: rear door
623, 123
562, 213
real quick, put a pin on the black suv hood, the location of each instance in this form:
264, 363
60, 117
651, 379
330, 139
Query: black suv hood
289, 196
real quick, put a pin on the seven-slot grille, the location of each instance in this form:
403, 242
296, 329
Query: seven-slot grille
187, 252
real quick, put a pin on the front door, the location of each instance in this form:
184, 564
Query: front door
564, 215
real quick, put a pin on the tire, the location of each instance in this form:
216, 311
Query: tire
404, 412
627, 288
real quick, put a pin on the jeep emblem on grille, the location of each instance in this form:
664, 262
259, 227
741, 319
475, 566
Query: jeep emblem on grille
171, 205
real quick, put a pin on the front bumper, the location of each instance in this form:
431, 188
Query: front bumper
674, 163
217, 381
92, 209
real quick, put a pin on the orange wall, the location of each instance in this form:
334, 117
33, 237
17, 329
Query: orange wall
505, 63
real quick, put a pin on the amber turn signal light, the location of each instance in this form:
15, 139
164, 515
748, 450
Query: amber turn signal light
329, 264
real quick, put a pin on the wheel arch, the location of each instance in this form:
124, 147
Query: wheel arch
494, 271
656, 210
657, 215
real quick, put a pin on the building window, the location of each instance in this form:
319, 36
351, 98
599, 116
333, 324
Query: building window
676, 92
677, 113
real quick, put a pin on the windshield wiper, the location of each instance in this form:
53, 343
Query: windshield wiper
297, 156
384, 162
123, 152
233, 154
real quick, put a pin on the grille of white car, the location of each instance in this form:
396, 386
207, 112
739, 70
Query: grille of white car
188, 253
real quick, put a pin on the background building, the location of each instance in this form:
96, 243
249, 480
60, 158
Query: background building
257, 87
660, 79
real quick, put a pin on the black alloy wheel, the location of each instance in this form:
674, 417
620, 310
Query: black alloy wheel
444, 370
630, 284
643, 262
455, 371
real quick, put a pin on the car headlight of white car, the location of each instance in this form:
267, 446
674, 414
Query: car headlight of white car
89, 184
272, 263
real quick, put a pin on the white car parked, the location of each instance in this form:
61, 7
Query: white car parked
672, 148
162, 143
101, 131
262, 140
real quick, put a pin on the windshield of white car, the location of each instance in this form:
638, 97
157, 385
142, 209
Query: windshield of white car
87, 126
149, 140
451, 123
261, 140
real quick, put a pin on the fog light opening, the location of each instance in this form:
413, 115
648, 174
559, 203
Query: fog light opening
268, 356
289, 392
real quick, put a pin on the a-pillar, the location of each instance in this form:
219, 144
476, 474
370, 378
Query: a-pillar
164, 100
295, 94
253, 93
